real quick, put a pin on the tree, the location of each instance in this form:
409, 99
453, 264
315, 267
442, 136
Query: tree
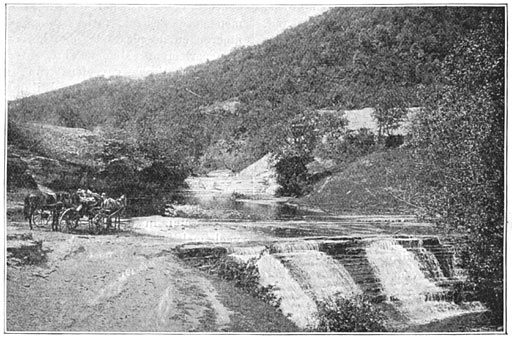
460, 141
304, 135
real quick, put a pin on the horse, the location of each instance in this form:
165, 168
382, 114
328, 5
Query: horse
116, 206
39, 200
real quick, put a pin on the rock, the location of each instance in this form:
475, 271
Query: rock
20, 236
26, 251
47, 171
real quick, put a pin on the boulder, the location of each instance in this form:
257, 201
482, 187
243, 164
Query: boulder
54, 173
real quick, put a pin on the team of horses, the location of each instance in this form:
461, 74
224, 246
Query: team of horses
54, 203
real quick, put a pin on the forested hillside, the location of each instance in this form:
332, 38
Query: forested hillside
347, 58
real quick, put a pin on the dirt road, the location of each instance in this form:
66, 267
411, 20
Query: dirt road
126, 282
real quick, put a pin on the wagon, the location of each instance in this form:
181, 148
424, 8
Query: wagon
71, 217
99, 218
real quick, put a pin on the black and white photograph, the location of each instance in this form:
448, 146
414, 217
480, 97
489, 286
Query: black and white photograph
273, 169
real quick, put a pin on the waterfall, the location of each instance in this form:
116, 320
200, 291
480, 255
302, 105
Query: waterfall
417, 281
294, 246
243, 254
428, 263
402, 279
294, 301
399, 271
319, 274
241, 258
246, 250
303, 275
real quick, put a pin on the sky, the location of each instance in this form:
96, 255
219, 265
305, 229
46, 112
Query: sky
50, 47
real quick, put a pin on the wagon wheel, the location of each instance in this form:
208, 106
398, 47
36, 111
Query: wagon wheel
69, 220
41, 217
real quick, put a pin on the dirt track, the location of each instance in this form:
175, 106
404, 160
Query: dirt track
126, 282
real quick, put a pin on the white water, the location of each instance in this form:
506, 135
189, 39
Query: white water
294, 246
243, 254
401, 277
428, 261
241, 258
319, 274
246, 250
294, 301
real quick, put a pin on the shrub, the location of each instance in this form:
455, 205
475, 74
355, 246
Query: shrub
357, 314
245, 275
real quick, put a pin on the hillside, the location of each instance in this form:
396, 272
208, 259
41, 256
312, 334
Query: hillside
347, 58
382, 182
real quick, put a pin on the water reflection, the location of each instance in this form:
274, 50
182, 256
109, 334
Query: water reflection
253, 209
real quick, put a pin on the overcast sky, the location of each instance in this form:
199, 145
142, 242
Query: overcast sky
49, 47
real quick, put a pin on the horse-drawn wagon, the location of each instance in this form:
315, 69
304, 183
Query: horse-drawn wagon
70, 218
65, 211
99, 213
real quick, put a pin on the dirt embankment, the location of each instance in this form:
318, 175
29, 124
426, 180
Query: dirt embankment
126, 282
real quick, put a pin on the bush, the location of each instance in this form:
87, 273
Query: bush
358, 314
245, 276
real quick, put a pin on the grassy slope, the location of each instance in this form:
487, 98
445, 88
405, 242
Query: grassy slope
75, 145
382, 182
